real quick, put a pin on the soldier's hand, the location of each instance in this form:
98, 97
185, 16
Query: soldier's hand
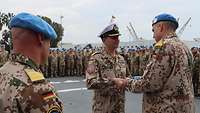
120, 83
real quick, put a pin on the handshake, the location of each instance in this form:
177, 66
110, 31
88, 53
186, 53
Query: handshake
119, 83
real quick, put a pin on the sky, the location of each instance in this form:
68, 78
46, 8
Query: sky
83, 20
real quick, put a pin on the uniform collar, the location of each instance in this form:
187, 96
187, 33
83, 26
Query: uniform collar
107, 54
161, 42
17, 57
171, 35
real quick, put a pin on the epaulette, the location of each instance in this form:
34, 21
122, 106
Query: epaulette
159, 44
95, 53
34, 75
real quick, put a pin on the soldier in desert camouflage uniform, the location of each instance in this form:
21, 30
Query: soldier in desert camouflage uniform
105, 64
75, 63
66, 56
70, 62
62, 64
3, 55
134, 63
54, 65
196, 71
86, 59
50, 57
167, 81
79, 63
23, 88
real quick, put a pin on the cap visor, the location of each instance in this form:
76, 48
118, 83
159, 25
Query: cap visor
114, 34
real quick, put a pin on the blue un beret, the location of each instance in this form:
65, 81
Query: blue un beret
32, 22
111, 30
165, 17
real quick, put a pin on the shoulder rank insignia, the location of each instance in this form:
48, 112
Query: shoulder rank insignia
95, 53
34, 75
159, 44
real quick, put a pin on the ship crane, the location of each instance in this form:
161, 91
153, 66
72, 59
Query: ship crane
133, 32
180, 32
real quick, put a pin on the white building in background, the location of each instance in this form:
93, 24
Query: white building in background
197, 39
66, 45
191, 44
134, 44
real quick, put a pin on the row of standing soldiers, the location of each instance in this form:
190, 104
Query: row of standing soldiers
66, 63
74, 63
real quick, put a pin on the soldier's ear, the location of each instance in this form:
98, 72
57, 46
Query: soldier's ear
41, 39
161, 27
103, 39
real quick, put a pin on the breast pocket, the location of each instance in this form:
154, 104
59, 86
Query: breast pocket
121, 70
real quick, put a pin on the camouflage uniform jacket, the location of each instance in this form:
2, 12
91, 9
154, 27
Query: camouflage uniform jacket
3, 57
167, 80
102, 66
196, 66
24, 90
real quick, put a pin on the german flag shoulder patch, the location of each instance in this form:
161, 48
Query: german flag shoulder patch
49, 95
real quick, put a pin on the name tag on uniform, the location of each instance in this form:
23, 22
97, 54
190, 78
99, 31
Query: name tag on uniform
34, 75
